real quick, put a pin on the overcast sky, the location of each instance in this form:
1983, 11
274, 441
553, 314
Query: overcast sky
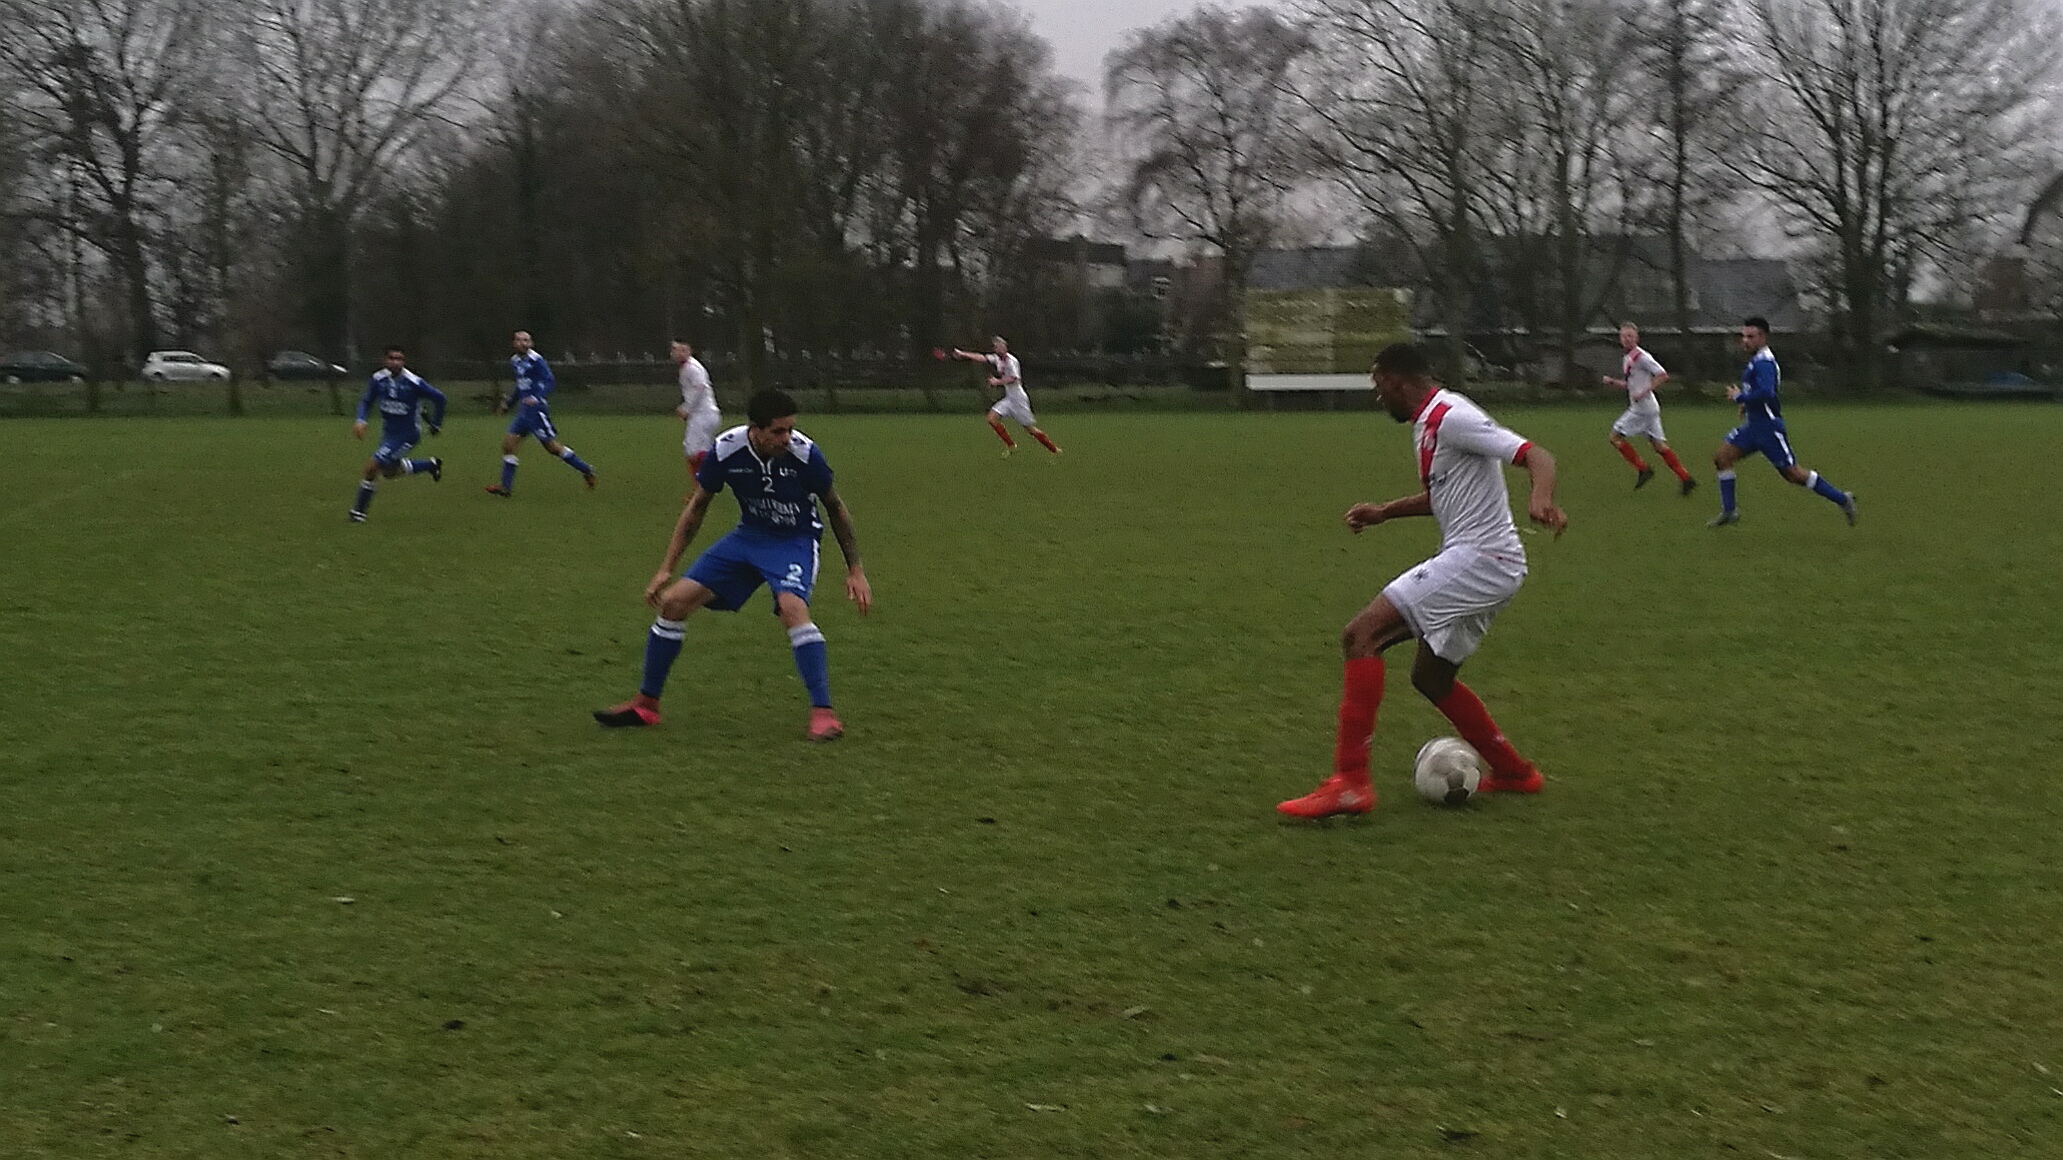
1081, 31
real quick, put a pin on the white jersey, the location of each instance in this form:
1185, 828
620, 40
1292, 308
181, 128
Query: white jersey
1007, 368
1640, 370
1462, 453
698, 398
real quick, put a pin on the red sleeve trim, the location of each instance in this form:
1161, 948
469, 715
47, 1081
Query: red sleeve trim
1519, 460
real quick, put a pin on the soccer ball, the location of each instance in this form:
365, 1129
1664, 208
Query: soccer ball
1447, 771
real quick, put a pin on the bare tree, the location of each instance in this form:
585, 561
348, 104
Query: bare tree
975, 116
833, 167
15, 222
1203, 107
340, 92
109, 86
1693, 104
1561, 181
1897, 126
722, 92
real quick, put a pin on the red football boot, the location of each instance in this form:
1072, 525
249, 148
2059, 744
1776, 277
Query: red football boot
1530, 781
636, 713
824, 726
1334, 795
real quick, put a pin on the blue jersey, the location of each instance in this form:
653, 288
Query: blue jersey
777, 496
400, 400
533, 380
1758, 399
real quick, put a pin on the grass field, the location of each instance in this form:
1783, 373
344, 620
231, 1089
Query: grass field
308, 847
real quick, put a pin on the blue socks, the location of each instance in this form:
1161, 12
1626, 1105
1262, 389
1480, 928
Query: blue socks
508, 467
415, 466
365, 494
1813, 480
661, 649
1825, 490
813, 661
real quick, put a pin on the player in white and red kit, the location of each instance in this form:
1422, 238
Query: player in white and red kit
698, 407
1447, 602
1639, 375
1006, 375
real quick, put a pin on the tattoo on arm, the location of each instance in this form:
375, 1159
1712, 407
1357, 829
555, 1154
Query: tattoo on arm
841, 527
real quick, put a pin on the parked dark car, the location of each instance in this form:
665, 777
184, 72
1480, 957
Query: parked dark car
41, 366
300, 366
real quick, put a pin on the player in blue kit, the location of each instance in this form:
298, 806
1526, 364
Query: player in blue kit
399, 394
531, 399
779, 475
1762, 431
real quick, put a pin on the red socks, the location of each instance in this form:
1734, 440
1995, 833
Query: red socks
1675, 465
1632, 456
1473, 722
1358, 703
1362, 696
1043, 441
1002, 434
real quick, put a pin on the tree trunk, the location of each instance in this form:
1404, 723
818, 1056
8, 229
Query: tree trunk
135, 267
529, 192
1679, 168
326, 301
1237, 265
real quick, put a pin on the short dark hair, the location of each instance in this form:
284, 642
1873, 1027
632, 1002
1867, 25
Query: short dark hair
769, 404
393, 350
1757, 321
1403, 358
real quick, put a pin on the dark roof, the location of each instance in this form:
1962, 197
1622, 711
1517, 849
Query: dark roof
1936, 335
1727, 290
1140, 274
1308, 268
1078, 249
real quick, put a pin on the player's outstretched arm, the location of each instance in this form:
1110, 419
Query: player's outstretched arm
1367, 515
1540, 506
683, 534
856, 588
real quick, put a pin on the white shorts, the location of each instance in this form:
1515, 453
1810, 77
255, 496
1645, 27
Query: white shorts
1639, 421
701, 436
1450, 600
1015, 405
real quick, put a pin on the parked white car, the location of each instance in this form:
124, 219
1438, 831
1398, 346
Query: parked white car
182, 366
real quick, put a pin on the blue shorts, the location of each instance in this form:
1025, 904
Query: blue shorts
735, 566
1771, 442
534, 421
391, 450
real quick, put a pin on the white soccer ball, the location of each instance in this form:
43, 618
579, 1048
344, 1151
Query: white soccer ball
1447, 771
